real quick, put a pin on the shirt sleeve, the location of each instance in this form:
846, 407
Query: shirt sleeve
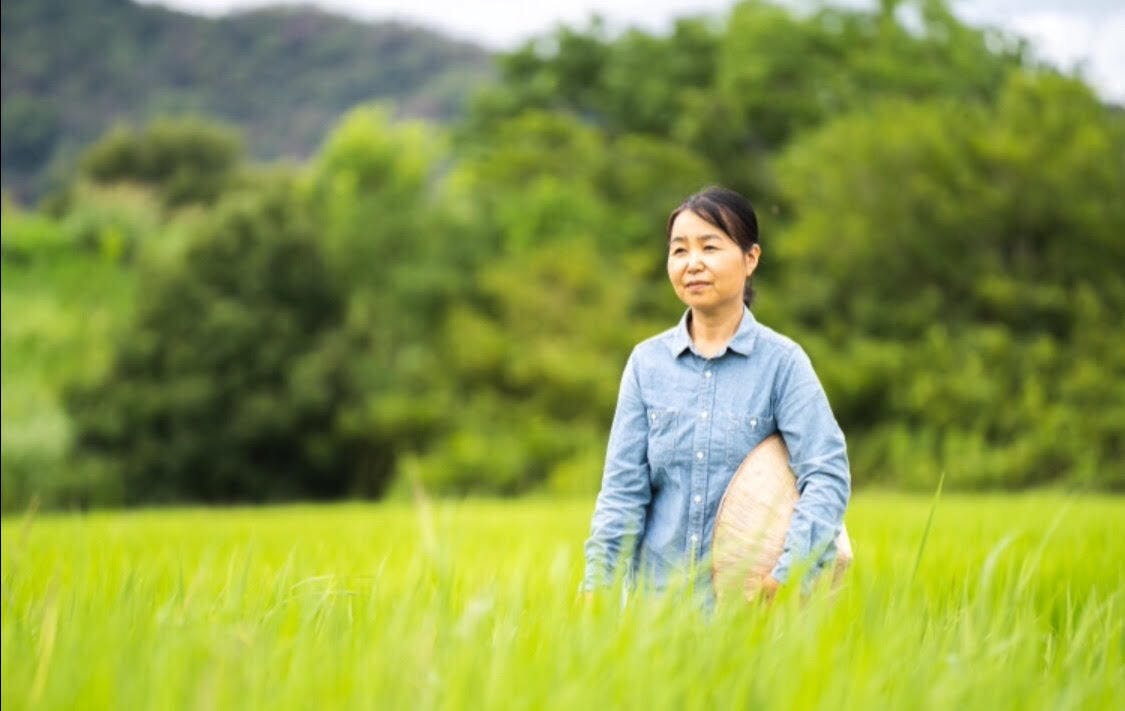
622, 503
818, 456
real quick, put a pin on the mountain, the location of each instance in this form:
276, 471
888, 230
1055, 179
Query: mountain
73, 68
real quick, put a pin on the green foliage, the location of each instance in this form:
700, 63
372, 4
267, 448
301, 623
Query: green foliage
63, 307
112, 221
532, 374
963, 311
185, 161
542, 177
369, 187
783, 73
388, 240
738, 91
454, 308
528, 361
26, 235
232, 383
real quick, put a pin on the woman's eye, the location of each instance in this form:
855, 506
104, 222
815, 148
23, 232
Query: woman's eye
678, 251
710, 248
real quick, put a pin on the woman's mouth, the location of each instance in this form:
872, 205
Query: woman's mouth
696, 285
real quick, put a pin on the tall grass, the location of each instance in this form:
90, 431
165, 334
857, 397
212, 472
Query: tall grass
352, 606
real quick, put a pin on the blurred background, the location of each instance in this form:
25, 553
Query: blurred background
256, 253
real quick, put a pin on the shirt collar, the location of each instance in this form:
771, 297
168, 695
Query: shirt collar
742, 342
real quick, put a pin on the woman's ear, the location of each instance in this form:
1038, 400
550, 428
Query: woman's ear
751, 257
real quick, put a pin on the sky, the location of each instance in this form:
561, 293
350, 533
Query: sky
1085, 34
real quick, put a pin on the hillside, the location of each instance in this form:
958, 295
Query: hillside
73, 68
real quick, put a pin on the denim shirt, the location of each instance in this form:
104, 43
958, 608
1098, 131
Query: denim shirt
682, 427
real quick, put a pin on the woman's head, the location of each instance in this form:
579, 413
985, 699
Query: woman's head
713, 248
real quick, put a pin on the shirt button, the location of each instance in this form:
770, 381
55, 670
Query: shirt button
695, 538
706, 374
703, 414
699, 455
753, 421
698, 498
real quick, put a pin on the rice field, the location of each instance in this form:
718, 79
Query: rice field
1013, 602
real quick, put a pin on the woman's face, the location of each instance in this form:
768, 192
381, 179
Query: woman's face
706, 266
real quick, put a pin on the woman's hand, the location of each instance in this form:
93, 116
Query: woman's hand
762, 590
769, 588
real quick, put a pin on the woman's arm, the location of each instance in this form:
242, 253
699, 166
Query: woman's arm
619, 514
819, 457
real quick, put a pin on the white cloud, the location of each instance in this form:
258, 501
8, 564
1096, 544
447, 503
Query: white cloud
1092, 46
1107, 57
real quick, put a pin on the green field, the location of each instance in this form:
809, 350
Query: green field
1016, 603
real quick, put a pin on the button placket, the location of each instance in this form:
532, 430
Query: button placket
704, 442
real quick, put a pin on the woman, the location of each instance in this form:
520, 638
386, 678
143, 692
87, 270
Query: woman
695, 400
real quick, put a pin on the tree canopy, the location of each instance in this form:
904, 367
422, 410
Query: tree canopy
940, 223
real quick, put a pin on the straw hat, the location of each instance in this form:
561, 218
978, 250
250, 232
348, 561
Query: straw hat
753, 520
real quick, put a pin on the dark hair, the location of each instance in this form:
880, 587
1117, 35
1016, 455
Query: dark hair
731, 213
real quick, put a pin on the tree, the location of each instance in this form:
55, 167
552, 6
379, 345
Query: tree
236, 380
735, 92
184, 160
956, 269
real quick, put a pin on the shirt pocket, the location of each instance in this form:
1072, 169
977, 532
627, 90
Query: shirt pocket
662, 441
742, 433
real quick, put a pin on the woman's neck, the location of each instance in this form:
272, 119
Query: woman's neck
711, 331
